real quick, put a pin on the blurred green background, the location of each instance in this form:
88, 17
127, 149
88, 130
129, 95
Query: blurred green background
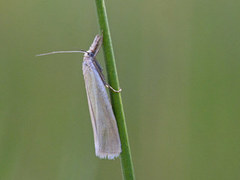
179, 68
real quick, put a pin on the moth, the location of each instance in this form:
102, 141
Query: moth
106, 136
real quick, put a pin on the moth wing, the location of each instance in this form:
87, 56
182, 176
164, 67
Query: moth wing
106, 136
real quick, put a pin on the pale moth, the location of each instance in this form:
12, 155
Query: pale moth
105, 130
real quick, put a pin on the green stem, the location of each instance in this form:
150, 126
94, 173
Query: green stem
126, 160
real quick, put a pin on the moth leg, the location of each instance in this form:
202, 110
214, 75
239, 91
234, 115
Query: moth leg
99, 70
114, 90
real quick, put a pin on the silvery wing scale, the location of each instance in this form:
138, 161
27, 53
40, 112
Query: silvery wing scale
106, 136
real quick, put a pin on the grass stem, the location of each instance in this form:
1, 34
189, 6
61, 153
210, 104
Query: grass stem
126, 159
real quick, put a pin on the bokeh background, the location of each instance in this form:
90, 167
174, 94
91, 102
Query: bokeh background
179, 68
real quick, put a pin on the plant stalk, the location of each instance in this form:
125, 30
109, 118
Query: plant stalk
116, 99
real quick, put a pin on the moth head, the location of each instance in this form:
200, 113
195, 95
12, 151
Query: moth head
89, 53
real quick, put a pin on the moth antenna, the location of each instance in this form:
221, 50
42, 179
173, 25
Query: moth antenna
114, 90
61, 52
